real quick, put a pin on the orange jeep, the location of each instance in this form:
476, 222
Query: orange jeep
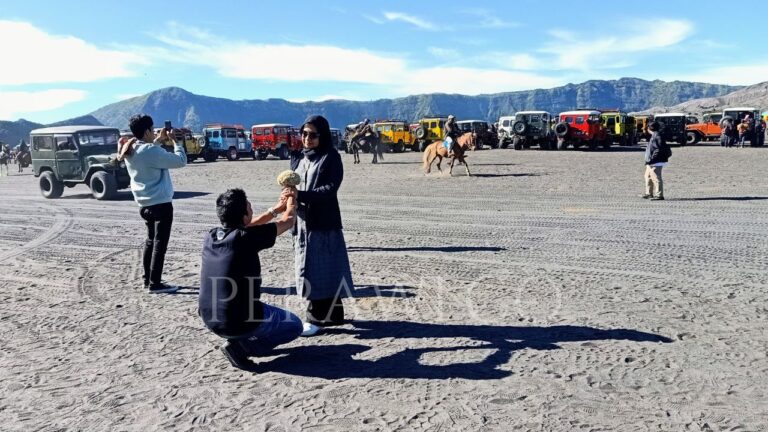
709, 129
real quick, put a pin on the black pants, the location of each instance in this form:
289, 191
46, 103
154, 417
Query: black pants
158, 219
325, 312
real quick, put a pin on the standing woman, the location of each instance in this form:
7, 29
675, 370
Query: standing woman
323, 275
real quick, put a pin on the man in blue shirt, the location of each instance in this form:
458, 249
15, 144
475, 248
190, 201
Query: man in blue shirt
230, 280
148, 164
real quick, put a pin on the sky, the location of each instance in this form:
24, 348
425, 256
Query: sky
63, 59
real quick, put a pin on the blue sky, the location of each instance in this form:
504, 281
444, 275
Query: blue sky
67, 58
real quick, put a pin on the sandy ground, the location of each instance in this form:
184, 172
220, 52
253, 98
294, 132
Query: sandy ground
540, 294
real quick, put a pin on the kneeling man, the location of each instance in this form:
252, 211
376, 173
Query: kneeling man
230, 280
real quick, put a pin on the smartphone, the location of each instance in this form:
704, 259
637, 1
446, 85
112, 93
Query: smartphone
168, 125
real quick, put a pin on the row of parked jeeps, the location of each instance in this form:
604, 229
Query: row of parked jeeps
602, 128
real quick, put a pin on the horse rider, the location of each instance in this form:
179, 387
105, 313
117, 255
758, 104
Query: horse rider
365, 130
452, 132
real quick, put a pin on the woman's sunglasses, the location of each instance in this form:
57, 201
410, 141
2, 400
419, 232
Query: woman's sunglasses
310, 135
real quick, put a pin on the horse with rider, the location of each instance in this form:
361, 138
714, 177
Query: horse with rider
365, 135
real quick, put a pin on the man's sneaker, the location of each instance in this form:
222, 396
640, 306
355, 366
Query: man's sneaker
162, 288
645, 196
657, 198
236, 355
310, 329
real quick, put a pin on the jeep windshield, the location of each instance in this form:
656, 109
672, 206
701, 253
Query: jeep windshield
672, 120
99, 138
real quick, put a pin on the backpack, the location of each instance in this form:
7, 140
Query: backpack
665, 151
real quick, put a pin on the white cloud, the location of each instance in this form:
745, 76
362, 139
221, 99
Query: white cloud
410, 19
125, 96
14, 103
444, 53
732, 75
513, 61
283, 62
573, 51
471, 81
488, 19
51, 58
239, 59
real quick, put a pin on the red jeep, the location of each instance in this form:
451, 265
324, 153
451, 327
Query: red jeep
581, 127
276, 139
707, 130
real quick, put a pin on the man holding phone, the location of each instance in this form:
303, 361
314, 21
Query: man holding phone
148, 164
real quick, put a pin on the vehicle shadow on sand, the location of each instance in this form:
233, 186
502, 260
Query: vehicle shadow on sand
484, 175
128, 196
360, 291
735, 198
339, 361
426, 249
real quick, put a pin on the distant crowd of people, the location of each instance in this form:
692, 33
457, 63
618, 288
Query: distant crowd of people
735, 133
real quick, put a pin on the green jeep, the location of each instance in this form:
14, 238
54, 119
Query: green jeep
71, 155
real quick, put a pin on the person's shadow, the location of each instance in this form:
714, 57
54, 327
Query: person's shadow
338, 361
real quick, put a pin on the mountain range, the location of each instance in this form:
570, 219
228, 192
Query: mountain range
187, 109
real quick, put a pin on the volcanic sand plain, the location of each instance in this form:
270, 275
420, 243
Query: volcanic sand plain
539, 294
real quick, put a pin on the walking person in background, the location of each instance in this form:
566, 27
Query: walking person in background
148, 164
323, 274
725, 133
759, 133
743, 128
656, 157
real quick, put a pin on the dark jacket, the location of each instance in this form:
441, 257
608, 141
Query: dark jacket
322, 172
657, 150
452, 129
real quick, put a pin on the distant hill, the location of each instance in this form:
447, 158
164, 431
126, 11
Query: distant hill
752, 96
191, 110
13, 132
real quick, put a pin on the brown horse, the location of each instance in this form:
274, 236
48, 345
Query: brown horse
437, 150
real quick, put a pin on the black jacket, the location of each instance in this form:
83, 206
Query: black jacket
318, 204
657, 151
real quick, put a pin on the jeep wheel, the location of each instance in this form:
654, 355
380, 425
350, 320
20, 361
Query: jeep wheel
421, 133
520, 127
232, 154
691, 138
191, 159
423, 145
517, 144
210, 156
562, 144
593, 144
103, 185
50, 187
607, 144
544, 144
399, 147
283, 152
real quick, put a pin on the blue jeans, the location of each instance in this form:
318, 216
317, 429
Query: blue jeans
447, 143
278, 327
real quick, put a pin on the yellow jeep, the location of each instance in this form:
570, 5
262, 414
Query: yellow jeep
430, 129
394, 134
620, 127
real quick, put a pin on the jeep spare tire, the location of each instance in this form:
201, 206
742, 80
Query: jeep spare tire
725, 119
520, 127
561, 129
421, 133
103, 185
